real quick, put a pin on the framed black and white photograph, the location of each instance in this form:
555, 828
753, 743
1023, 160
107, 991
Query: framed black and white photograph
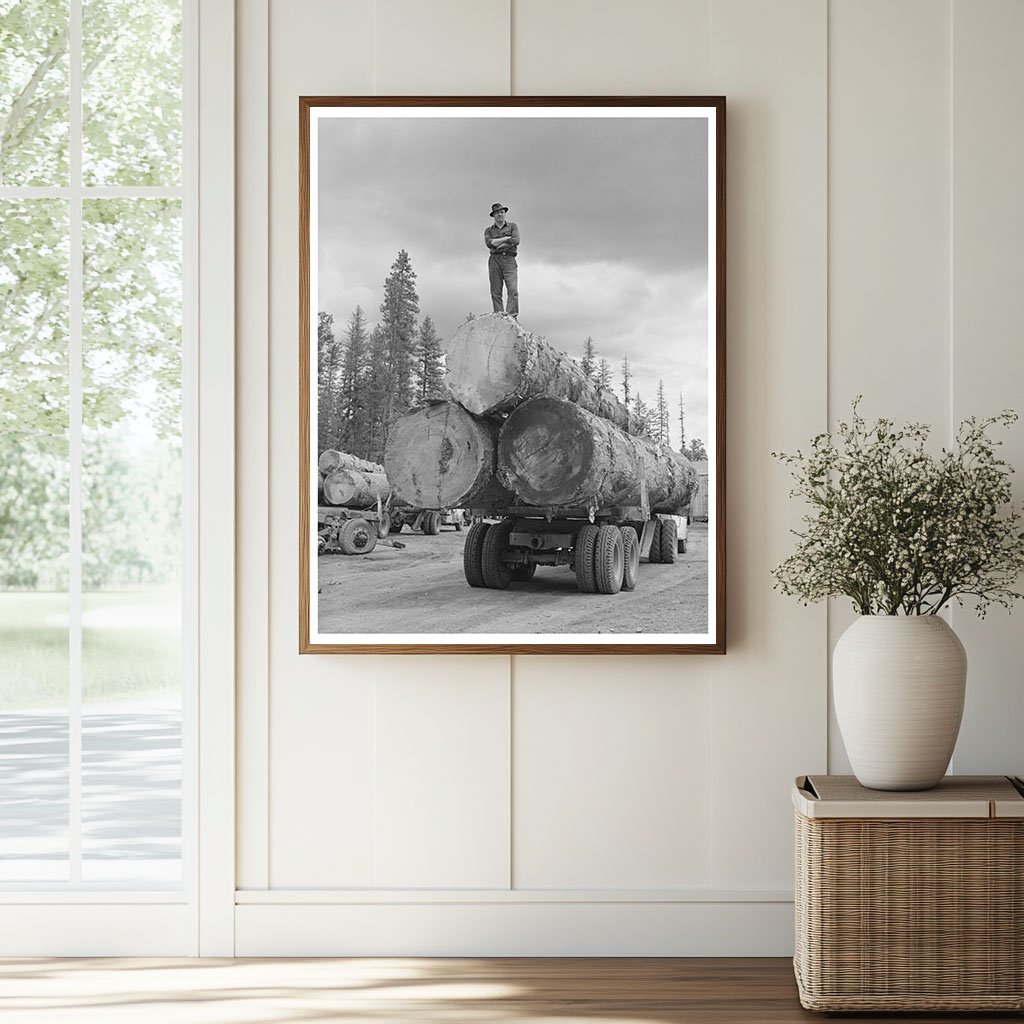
512, 380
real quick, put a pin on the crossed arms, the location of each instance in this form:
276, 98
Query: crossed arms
497, 244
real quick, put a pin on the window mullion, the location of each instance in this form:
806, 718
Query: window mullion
75, 303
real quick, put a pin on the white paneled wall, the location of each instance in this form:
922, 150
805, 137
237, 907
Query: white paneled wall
987, 365
625, 805
889, 335
768, 694
612, 775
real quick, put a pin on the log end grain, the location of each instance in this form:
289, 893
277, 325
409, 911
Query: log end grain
484, 363
545, 451
329, 461
352, 488
437, 455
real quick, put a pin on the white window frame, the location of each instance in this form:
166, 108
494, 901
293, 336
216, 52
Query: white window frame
197, 918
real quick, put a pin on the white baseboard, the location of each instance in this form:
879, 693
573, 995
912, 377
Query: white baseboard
520, 928
99, 928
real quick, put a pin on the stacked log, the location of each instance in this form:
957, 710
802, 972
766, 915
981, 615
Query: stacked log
332, 460
354, 488
493, 365
554, 453
439, 457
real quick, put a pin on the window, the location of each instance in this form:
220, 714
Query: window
96, 471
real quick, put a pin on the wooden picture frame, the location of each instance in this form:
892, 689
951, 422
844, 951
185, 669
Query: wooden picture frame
373, 153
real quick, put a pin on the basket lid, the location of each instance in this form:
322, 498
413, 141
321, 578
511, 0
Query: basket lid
957, 796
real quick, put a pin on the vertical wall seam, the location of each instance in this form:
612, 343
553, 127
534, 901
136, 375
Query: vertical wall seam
511, 658
267, 442
710, 677
950, 355
950, 126
511, 691
511, 54
375, 803
828, 343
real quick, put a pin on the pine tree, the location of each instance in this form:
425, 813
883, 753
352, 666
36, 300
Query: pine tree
697, 452
588, 358
642, 416
626, 378
399, 311
682, 424
661, 415
376, 390
352, 400
429, 363
604, 374
328, 365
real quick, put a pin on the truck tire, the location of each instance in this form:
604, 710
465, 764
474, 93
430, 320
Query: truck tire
383, 525
431, 523
357, 537
586, 540
608, 560
630, 558
669, 536
523, 572
654, 555
472, 554
497, 575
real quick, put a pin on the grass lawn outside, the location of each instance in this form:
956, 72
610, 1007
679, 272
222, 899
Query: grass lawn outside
131, 647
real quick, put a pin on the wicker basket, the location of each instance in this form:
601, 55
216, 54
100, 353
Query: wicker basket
910, 901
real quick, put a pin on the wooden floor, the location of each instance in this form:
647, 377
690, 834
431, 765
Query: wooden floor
382, 991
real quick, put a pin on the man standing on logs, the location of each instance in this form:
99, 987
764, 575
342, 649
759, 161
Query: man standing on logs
502, 241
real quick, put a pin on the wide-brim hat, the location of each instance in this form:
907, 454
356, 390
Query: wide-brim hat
496, 207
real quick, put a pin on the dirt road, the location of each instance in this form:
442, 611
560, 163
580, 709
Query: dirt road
421, 589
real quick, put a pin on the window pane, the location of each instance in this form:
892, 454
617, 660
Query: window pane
33, 540
131, 541
131, 92
33, 92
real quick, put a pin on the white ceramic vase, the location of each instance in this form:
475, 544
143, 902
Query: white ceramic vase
898, 683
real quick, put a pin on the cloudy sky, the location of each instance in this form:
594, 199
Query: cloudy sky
612, 218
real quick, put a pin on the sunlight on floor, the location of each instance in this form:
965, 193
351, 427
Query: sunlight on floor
147, 991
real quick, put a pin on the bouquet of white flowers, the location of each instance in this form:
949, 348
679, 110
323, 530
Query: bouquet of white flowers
900, 530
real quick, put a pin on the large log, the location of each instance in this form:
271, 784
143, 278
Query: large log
353, 488
439, 456
493, 365
331, 460
553, 453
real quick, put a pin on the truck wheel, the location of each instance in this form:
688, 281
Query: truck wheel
654, 555
383, 525
630, 558
669, 536
586, 540
608, 560
472, 554
497, 575
523, 572
357, 537
321, 545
